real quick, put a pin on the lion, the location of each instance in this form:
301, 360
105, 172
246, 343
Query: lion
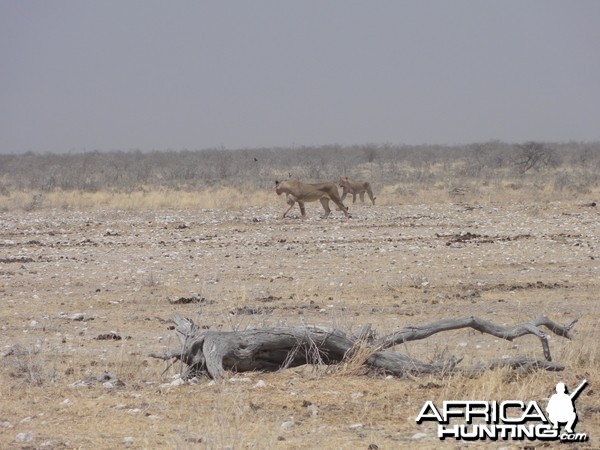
298, 192
356, 187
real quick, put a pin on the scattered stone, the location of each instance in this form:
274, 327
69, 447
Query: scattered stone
76, 317
24, 437
269, 299
190, 300
109, 336
177, 382
249, 310
313, 410
288, 424
240, 380
108, 379
419, 436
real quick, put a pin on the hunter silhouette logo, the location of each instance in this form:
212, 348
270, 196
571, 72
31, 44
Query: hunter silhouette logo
509, 419
561, 408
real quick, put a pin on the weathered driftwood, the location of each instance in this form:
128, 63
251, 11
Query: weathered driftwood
270, 349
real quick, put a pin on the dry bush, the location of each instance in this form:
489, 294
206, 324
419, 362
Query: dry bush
27, 364
234, 178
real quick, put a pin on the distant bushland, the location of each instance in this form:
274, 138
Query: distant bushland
404, 172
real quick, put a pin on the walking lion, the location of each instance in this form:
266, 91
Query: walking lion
356, 187
298, 192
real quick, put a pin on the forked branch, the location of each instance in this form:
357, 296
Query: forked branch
508, 333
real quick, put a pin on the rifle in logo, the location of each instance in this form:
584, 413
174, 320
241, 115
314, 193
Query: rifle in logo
578, 389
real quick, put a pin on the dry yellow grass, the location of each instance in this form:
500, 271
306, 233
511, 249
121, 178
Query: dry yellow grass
144, 199
230, 198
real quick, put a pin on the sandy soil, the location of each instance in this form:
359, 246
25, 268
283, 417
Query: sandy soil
82, 293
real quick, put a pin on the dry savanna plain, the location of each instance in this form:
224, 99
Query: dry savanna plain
87, 294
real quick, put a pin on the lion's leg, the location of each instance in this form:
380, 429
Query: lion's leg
325, 203
353, 197
344, 193
287, 210
362, 196
341, 206
302, 209
370, 192
291, 202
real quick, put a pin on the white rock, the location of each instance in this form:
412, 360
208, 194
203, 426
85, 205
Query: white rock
24, 437
240, 380
288, 424
418, 436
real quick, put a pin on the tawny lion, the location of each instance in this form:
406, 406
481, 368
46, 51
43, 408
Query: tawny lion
298, 192
356, 187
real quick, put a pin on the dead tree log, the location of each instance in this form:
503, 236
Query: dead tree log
270, 349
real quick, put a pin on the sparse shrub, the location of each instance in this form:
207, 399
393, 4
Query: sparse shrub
35, 202
151, 280
28, 365
561, 181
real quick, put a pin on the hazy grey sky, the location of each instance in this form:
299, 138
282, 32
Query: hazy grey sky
81, 75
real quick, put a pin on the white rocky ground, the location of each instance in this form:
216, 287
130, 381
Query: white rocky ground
72, 283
